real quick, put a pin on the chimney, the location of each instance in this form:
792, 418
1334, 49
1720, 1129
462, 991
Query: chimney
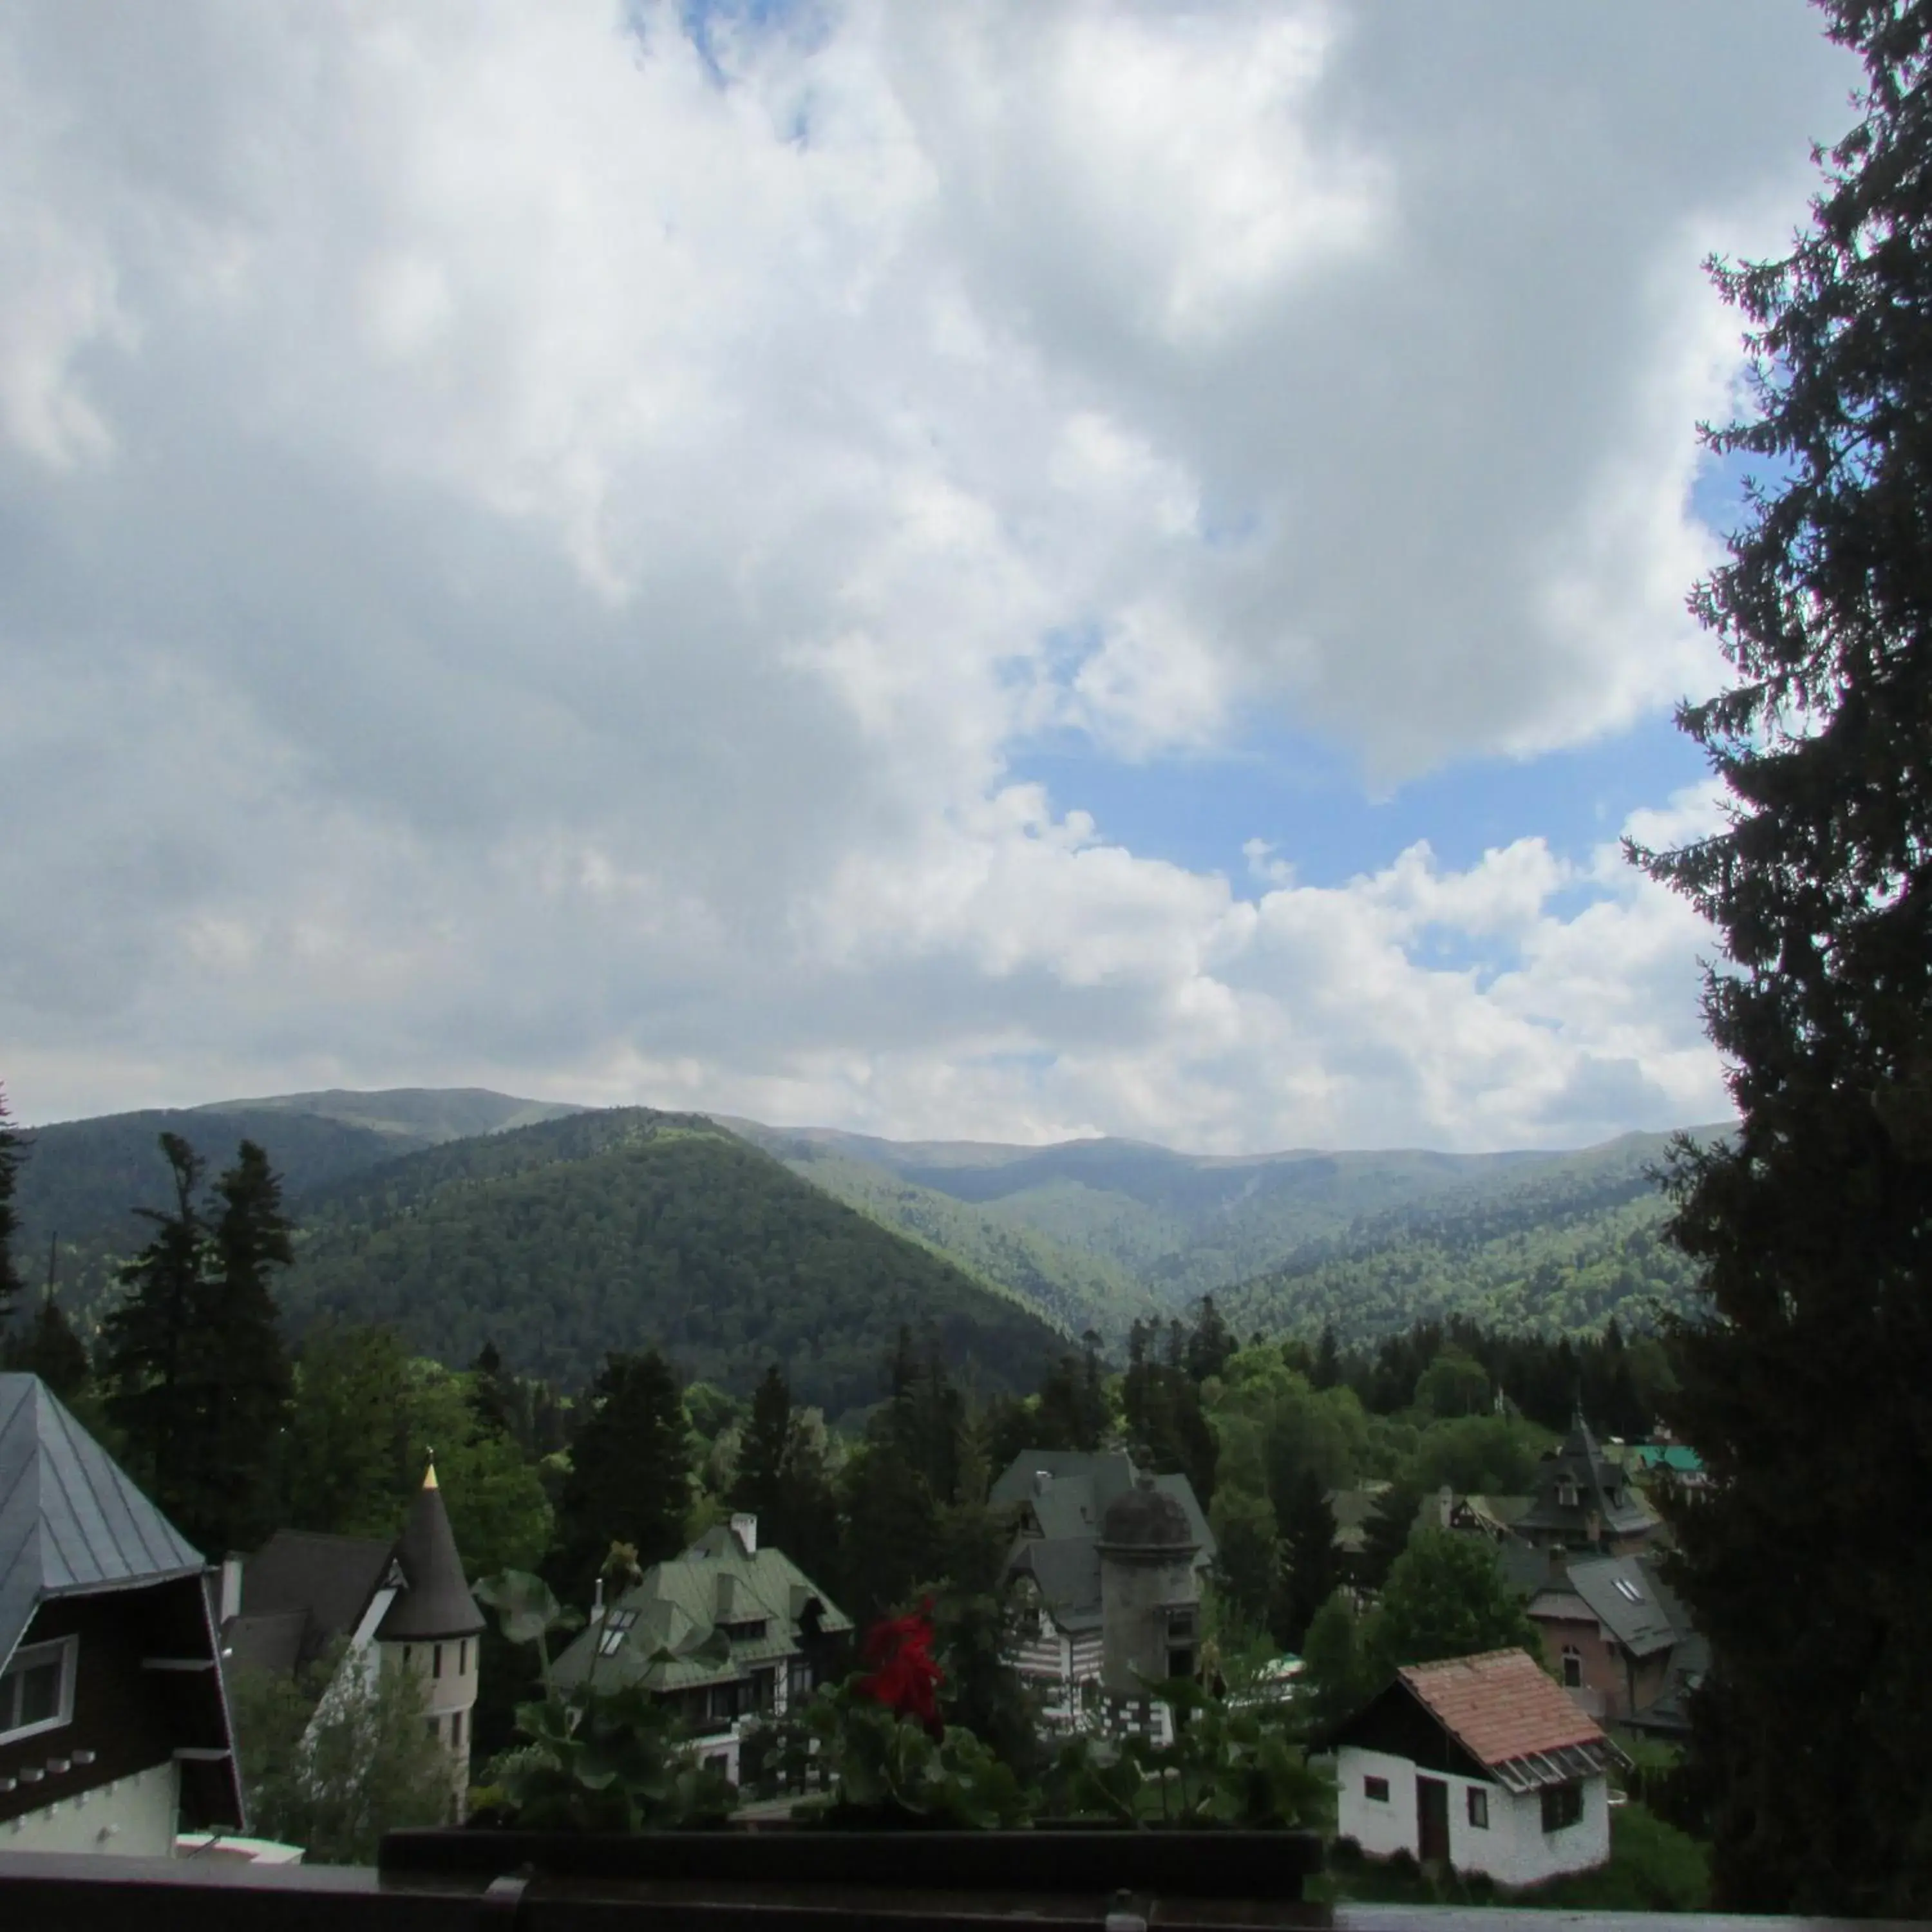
231, 1589
597, 1603
744, 1528
1042, 1479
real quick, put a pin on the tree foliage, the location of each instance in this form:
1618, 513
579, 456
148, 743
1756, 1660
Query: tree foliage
13, 1153
1809, 1564
332, 1758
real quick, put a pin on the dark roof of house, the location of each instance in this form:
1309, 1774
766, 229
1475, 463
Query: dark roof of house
327, 1581
71, 1521
1146, 1518
1605, 1504
1623, 1598
271, 1643
673, 1631
436, 1602
1063, 1496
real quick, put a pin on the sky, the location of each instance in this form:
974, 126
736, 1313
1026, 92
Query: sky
1005, 572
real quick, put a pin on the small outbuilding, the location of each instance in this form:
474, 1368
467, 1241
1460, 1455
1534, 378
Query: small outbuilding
1481, 1762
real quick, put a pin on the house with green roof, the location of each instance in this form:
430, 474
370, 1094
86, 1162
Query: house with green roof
726, 1635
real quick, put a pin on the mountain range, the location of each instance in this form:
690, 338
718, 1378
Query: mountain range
559, 1232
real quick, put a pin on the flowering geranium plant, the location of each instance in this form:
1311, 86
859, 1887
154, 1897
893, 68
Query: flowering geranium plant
905, 1677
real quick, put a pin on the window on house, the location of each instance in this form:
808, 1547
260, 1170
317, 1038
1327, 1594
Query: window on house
456, 1729
1572, 1667
1566, 1495
1562, 1805
1479, 1807
1628, 1590
616, 1625
746, 1630
798, 1681
1375, 1789
434, 1727
435, 1662
36, 1689
463, 1658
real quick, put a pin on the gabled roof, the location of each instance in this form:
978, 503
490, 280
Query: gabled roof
71, 1521
1511, 1716
669, 1629
1624, 1597
327, 1581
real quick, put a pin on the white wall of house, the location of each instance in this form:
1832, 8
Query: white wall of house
133, 1817
1382, 1827
1525, 1853
1513, 1848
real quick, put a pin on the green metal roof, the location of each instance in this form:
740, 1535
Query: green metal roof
675, 1640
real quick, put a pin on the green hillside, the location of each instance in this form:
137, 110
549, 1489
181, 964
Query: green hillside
609, 1230
1076, 1289
1559, 1246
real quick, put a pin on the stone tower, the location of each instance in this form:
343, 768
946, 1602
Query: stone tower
431, 1627
1149, 1592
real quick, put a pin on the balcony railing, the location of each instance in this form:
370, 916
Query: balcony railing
42, 1892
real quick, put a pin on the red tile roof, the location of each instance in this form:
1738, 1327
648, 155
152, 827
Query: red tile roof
1502, 1705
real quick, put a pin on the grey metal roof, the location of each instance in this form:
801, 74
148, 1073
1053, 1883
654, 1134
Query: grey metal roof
71, 1521
1067, 1573
1080, 1485
328, 1581
1625, 1600
1605, 1504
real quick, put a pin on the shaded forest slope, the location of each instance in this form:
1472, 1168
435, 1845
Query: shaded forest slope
611, 1230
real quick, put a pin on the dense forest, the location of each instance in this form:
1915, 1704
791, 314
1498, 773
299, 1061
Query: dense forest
1559, 1250
604, 1231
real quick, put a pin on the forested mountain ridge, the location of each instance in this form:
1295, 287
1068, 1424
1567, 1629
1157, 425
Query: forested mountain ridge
1559, 1247
412, 1116
611, 1230
82, 1181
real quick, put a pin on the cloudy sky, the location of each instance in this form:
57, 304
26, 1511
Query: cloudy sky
1005, 570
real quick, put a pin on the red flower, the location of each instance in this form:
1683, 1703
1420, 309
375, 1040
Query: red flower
904, 1674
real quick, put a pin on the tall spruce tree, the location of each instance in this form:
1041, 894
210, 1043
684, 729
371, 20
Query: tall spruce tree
13, 1150
148, 1338
194, 1350
1808, 1564
630, 1474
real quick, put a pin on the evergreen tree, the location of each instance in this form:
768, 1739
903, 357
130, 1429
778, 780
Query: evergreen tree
1808, 1564
50, 1349
149, 1338
891, 1539
344, 1452
240, 1369
12, 1151
1387, 1533
1309, 1571
1210, 1343
630, 1475
764, 1450
493, 1395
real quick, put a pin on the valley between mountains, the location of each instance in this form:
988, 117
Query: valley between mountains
462, 1217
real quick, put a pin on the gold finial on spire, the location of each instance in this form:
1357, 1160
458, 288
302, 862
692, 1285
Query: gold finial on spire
429, 1474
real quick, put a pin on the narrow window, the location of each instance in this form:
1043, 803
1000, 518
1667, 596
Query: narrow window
1479, 1807
456, 1729
1572, 1667
463, 1658
435, 1730
435, 1662
1375, 1789
406, 1649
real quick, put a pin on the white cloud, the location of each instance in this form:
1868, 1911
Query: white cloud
519, 561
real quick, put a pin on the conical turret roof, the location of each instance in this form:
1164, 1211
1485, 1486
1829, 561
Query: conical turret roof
437, 1603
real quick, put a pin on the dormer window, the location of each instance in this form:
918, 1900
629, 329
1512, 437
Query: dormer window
611, 1640
36, 1689
1566, 1494
746, 1630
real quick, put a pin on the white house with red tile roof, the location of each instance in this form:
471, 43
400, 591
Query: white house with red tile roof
1483, 1761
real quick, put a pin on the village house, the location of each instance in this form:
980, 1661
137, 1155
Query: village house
1479, 1762
115, 1730
396, 1604
1109, 1562
1618, 1638
726, 1635
1585, 1501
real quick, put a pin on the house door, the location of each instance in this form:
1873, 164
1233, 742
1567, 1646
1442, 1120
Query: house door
1432, 1818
